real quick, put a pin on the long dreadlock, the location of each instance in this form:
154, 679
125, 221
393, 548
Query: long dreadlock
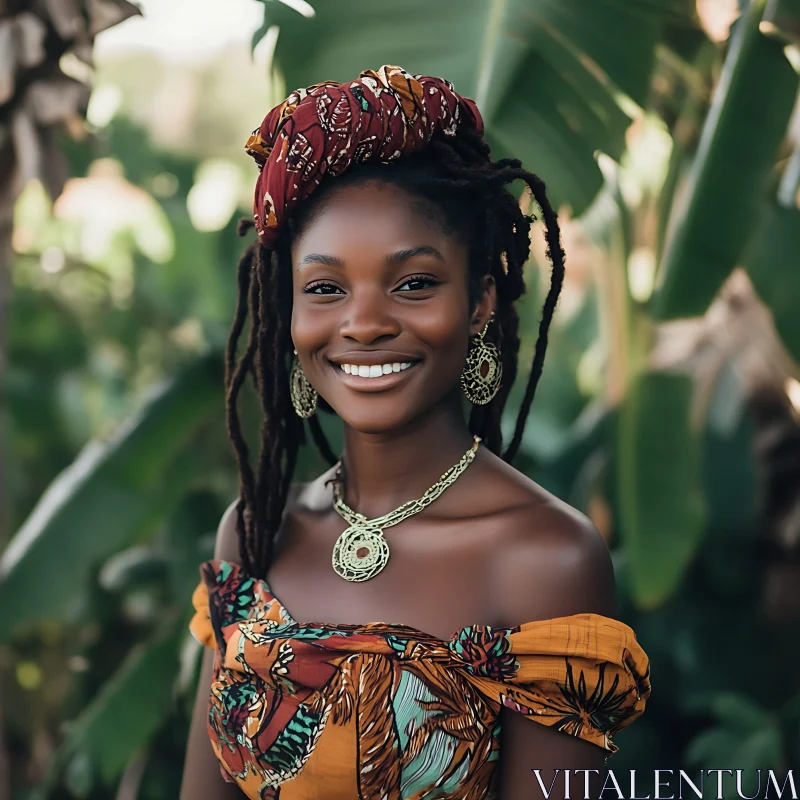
457, 179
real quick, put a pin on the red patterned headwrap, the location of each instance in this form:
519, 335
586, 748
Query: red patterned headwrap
328, 126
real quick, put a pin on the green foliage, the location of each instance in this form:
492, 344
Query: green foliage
121, 719
772, 259
546, 75
745, 124
662, 512
112, 494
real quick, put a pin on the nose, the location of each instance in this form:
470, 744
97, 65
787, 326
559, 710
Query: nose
368, 318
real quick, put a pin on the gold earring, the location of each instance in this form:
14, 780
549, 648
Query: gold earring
304, 395
480, 388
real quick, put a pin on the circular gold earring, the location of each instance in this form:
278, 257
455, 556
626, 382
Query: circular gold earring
304, 395
478, 387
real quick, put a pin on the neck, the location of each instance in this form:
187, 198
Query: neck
385, 470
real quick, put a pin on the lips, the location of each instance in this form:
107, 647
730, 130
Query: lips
371, 357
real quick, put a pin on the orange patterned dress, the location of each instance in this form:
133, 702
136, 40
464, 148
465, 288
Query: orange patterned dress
307, 710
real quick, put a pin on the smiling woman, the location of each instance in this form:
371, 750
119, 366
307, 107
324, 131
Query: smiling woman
392, 288
462, 628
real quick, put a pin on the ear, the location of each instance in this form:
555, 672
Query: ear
486, 305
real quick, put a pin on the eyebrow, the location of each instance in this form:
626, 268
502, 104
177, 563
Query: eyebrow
403, 255
391, 260
319, 258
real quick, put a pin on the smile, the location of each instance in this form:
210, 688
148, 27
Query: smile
375, 370
374, 377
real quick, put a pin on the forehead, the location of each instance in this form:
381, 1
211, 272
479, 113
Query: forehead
373, 215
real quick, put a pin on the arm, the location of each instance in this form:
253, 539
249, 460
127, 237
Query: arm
201, 771
563, 568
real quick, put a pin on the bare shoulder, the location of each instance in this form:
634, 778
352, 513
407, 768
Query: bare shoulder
550, 560
227, 541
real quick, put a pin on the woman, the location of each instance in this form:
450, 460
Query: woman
475, 642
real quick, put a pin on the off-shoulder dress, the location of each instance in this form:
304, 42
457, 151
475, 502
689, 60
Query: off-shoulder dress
302, 710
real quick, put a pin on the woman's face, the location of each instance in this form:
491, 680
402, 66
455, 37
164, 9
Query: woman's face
378, 286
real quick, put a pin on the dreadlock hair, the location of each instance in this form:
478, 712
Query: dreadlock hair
455, 179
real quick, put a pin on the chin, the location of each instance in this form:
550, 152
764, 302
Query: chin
374, 417
388, 412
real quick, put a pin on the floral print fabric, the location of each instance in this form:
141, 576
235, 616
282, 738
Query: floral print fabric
305, 710
326, 127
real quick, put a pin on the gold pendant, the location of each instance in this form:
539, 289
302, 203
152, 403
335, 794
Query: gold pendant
360, 552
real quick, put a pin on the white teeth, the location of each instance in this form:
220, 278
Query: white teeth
375, 370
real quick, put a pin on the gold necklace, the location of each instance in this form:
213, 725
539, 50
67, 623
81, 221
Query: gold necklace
361, 551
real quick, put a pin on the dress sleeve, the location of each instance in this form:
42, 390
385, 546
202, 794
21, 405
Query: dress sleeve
200, 624
584, 674
224, 597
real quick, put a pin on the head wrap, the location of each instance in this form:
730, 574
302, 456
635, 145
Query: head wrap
328, 126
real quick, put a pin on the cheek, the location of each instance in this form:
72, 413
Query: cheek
444, 326
311, 326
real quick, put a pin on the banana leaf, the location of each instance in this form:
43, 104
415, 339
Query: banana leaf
547, 74
718, 211
111, 494
661, 507
772, 262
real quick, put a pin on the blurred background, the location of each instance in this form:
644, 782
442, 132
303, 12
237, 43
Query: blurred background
668, 133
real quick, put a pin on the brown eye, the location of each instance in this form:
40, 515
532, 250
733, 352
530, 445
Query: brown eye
321, 288
418, 282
